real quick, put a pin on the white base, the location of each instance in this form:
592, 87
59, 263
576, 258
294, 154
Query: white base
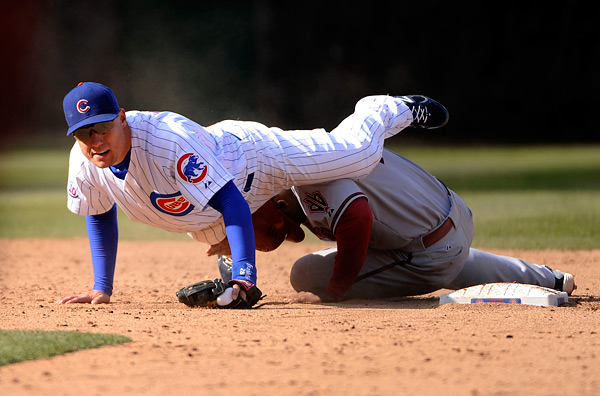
509, 293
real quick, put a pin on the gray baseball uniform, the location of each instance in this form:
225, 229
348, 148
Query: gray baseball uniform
408, 204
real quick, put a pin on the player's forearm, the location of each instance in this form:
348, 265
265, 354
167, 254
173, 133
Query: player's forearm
352, 235
240, 233
103, 235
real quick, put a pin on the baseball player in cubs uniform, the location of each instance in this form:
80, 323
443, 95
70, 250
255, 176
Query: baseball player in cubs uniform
398, 232
165, 170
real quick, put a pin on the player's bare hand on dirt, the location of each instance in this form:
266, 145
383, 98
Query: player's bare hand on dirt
219, 248
91, 297
303, 297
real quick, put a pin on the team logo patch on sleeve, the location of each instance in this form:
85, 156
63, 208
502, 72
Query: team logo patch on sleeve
191, 169
72, 190
172, 204
316, 202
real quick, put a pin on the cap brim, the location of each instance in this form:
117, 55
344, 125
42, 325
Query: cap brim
92, 120
272, 227
296, 233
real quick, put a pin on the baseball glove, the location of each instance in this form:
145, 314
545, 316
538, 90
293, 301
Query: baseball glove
205, 294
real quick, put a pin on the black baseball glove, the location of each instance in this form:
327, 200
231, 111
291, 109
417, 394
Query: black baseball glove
205, 293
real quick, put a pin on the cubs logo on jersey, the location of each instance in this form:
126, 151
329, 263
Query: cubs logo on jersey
172, 204
191, 169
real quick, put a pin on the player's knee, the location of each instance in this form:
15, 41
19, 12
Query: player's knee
308, 273
298, 274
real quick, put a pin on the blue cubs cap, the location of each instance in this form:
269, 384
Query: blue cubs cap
89, 103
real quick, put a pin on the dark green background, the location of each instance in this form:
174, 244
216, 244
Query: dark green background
509, 72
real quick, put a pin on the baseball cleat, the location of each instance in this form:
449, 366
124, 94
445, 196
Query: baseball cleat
427, 113
563, 281
568, 283
225, 264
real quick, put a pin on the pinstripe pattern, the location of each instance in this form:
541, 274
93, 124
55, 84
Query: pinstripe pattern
232, 150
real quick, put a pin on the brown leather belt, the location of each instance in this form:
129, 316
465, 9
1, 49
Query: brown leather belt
438, 233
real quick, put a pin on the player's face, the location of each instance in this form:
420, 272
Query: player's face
288, 204
105, 144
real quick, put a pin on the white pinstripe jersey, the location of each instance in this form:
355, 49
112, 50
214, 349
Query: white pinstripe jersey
155, 190
176, 165
406, 200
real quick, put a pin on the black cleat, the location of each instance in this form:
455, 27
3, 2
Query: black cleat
427, 113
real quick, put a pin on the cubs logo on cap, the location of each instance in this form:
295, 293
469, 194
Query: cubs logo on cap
82, 106
89, 103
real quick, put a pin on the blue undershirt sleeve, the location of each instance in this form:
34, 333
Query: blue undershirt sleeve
240, 233
103, 234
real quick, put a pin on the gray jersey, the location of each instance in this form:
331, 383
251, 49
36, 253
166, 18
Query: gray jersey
407, 202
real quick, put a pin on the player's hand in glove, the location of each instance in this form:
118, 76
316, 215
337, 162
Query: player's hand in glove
245, 294
237, 294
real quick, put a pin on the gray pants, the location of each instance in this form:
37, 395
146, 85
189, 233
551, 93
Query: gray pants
448, 264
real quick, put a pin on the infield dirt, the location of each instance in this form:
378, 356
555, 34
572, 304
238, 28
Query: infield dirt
409, 346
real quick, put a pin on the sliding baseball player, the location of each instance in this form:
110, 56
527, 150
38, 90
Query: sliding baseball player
167, 171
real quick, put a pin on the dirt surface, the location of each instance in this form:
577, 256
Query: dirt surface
407, 346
